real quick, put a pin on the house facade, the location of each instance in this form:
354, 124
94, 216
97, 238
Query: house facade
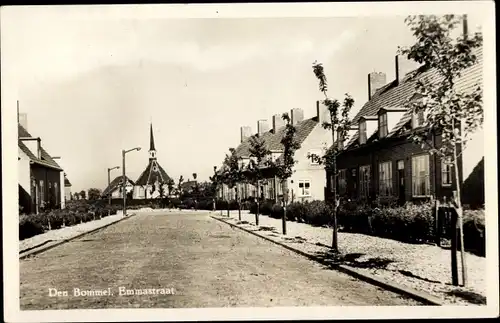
40, 184
115, 188
378, 159
308, 181
67, 189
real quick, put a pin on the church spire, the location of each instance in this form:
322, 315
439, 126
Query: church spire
152, 150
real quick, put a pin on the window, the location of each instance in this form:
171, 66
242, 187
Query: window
42, 191
446, 174
340, 140
385, 179
420, 175
362, 132
364, 181
401, 164
304, 187
382, 125
342, 189
57, 193
418, 119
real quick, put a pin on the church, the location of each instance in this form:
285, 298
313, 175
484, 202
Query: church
153, 181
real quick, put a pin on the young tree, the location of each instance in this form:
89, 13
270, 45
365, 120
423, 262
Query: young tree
179, 186
452, 114
258, 153
284, 165
339, 124
170, 186
232, 175
83, 194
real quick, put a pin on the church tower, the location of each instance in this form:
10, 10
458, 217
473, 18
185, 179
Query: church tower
152, 150
154, 180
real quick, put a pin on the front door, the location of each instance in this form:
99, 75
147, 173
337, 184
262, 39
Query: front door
401, 182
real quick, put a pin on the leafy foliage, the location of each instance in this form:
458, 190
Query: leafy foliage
258, 154
284, 164
455, 115
232, 173
339, 118
94, 193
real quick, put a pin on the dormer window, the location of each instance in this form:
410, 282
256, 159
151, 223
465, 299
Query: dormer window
417, 119
362, 132
382, 125
340, 140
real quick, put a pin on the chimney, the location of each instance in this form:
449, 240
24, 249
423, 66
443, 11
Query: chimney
245, 132
403, 67
262, 127
297, 115
465, 27
23, 120
375, 81
33, 145
322, 112
277, 122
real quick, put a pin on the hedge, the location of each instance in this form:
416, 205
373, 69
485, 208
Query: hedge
412, 223
75, 212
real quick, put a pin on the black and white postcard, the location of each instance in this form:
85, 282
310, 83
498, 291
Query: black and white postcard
249, 161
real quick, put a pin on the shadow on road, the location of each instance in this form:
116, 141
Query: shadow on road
469, 296
331, 260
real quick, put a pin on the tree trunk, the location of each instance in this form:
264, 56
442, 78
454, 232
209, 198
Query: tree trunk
335, 246
460, 216
238, 199
285, 200
258, 205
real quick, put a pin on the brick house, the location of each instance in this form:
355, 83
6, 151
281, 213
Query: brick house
40, 177
379, 160
308, 180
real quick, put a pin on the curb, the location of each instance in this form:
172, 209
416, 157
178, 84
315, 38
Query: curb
33, 251
422, 297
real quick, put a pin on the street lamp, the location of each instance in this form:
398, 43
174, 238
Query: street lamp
124, 181
109, 182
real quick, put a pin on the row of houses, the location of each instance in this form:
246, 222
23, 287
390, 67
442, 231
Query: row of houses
377, 159
42, 182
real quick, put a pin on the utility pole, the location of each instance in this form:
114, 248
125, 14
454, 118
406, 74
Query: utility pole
124, 181
109, 183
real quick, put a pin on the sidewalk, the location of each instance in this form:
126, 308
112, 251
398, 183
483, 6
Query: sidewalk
421, 267
66, 232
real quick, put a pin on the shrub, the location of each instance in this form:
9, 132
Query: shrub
56, 219
317, 213
29, 227
276, 211
353, 217
296, 212
266, 207
474, 232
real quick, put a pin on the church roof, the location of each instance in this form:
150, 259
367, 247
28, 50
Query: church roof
153, 172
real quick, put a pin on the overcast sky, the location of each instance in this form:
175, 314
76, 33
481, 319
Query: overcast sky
91, 85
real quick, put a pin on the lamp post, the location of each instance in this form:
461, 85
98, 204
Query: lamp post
124, 181
109, 182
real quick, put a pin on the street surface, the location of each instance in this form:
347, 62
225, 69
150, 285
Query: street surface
182, 260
